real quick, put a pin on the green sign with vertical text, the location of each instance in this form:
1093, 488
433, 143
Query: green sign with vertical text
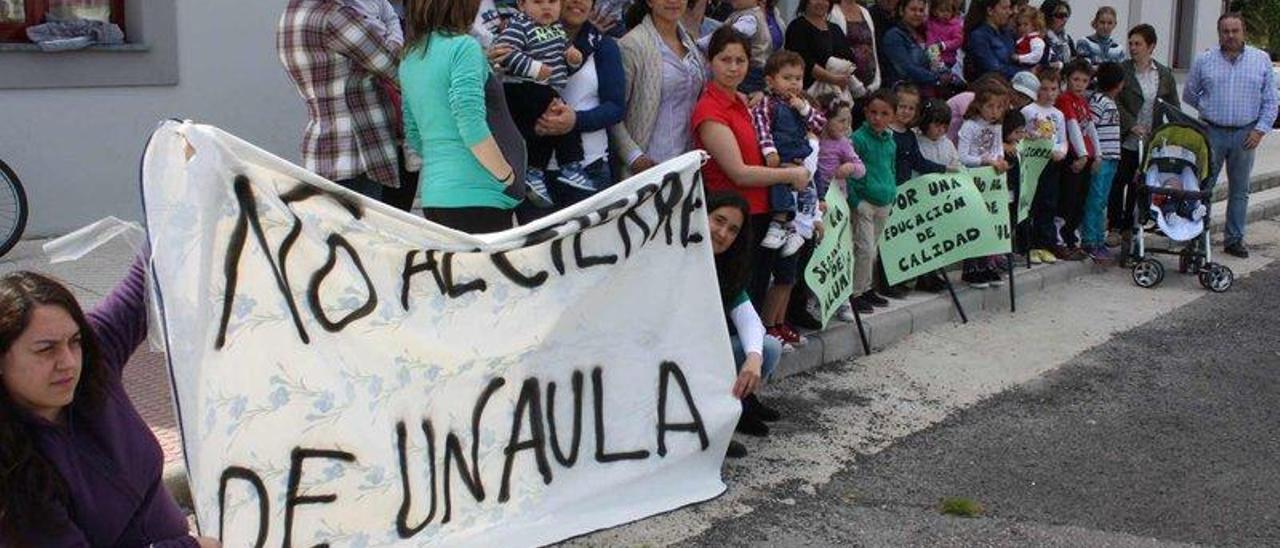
830, 270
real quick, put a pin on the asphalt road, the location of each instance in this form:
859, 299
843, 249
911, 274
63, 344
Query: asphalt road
1168, 433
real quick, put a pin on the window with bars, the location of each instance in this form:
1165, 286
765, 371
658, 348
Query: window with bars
17, 15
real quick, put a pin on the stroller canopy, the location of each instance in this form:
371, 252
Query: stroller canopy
1180, 144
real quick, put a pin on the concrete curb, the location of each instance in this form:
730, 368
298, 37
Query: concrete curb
918, 313
839, 341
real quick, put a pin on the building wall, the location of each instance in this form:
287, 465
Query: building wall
1206, 32
77, 150
1160, 14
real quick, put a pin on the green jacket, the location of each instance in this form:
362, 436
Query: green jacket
878, 152
1130, 101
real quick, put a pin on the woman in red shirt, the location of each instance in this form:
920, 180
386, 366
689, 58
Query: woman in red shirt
722, 126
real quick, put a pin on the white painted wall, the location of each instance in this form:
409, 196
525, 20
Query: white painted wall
1206, 34
77, 150
1158, 13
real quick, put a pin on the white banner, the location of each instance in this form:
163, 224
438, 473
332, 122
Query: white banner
349, 374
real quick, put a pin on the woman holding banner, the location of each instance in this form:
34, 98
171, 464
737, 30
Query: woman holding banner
465, 180
78, 466
722, 126
754, 354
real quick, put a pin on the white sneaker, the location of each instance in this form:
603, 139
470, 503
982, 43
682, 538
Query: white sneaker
845, 312
775, 237
794, 242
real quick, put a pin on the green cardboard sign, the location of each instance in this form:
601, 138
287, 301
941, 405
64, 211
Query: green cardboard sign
995, 195
937, 220
1033, 155
830, 270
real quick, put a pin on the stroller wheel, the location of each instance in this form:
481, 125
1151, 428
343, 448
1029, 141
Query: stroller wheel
1217, 278
1148, 273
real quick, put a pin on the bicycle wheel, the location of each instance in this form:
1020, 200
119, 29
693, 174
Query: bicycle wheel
13, 209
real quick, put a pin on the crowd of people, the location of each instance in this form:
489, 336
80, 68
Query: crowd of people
512, 109
495, 112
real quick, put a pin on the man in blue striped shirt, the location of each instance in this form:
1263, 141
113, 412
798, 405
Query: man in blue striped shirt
1234, 90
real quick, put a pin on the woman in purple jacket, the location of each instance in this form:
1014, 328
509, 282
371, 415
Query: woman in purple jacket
78, 466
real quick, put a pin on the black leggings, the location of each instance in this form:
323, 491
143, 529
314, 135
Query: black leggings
764, 259
1121, 201
1044, 206
1073, 189
402, 198
472, 220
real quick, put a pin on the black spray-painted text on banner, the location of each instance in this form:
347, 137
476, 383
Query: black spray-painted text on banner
644, 217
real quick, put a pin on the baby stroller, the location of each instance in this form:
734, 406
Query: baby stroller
1174, 188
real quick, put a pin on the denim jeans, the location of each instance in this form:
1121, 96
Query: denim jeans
772, 353
782, 200
1093, 229
1228, 149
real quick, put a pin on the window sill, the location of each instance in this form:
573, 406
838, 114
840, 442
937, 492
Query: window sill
151, 60
24, 47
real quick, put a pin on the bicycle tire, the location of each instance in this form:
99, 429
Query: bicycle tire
10, 238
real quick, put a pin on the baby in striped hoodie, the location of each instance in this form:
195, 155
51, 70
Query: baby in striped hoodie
537, 70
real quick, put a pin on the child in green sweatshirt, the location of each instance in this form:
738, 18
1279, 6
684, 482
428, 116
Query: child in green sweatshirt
871, 196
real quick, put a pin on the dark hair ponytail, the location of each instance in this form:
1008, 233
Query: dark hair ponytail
423, 17
31, 489
635, 14
977, 15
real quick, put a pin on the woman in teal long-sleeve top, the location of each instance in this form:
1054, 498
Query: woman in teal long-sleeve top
442, 78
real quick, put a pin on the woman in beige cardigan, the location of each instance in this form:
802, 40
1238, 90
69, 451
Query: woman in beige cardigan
665, 73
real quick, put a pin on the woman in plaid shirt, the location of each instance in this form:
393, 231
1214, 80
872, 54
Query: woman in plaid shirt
334, 57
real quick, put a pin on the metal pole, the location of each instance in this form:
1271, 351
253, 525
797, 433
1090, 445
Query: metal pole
1013, 244
862, 333
1013, 240
954, 300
